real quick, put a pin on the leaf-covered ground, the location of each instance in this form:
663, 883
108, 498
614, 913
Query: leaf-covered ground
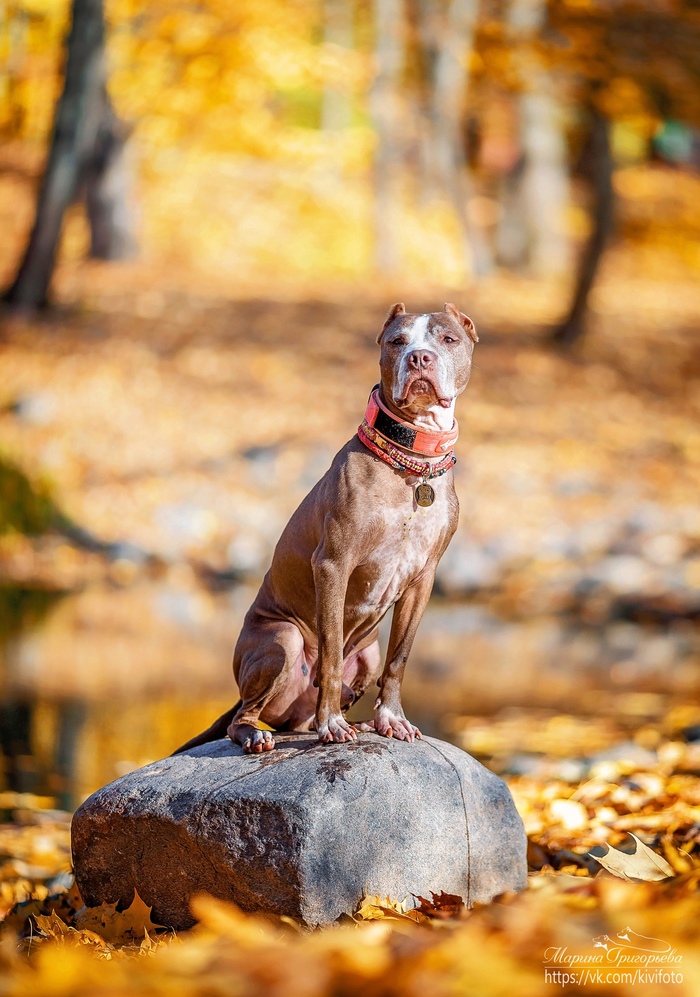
624, 935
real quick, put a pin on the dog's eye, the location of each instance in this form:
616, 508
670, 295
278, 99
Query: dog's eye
397, 341
449, 339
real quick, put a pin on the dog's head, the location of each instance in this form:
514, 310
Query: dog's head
425, 362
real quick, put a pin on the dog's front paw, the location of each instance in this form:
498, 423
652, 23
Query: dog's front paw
394, 724
336, 728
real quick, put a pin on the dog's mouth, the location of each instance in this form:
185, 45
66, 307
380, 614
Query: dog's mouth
423, 390
421, 386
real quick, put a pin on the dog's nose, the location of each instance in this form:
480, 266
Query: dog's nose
422, 359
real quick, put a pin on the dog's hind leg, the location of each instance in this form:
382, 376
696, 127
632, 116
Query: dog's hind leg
268, 665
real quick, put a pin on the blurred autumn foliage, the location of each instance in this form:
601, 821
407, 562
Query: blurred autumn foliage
52, 944
326, 139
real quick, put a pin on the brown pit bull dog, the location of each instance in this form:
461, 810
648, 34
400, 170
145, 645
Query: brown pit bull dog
367, 538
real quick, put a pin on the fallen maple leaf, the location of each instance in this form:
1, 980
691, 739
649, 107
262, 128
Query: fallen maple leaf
373, 908
51, 925
643, 863
97, 919
118, 926
137, 918
20, 914
442, 905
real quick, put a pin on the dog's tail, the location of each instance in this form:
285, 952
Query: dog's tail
218, 729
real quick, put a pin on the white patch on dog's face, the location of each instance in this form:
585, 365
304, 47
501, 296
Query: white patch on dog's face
419, 332
418, 337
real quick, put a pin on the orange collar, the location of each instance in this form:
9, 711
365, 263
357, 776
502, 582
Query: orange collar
432, 443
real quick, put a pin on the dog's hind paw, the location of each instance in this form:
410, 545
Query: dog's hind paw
260, 740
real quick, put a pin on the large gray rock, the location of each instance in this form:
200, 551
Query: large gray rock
305, 830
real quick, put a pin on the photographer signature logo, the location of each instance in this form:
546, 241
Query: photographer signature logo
627, 957
629, 940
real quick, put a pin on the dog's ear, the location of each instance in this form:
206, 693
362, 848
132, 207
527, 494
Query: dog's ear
398, 309
463, 320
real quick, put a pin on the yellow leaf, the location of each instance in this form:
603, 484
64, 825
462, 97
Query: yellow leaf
643, 863
97, 919
118, 926
51, 924
136, 919
372, 908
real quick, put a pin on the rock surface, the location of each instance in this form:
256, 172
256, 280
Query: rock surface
305, 830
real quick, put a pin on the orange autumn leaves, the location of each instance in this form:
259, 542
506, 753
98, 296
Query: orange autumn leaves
54, 946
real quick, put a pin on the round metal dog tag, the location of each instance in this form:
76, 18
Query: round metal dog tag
425, 495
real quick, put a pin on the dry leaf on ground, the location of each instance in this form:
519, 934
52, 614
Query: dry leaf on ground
643, 863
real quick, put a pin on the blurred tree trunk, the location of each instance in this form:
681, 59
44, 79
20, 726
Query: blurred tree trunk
14, 22
454, 47
385, 109
108, 179
599, 156
86, 148
512, 233
543, 181
428, 16
336, 106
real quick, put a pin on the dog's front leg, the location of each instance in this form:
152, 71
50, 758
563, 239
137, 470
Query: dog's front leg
331, 582
389, 718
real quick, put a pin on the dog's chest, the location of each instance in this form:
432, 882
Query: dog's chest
406, 542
